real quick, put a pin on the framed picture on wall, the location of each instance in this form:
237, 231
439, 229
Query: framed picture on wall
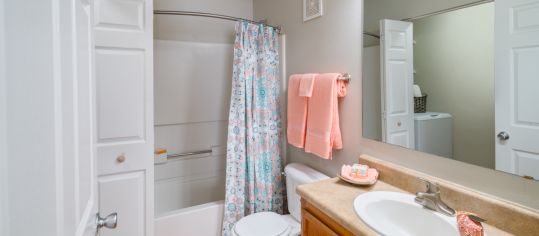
312, 9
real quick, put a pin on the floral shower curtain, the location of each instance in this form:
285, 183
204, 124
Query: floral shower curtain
253, 169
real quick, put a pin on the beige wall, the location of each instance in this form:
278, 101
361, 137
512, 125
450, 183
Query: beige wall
331, 43
454, 64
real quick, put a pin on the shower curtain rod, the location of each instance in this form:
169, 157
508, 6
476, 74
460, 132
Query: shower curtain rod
371, 34
448, 10
436, 13
211, 15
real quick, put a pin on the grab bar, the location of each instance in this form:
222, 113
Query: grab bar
179, 155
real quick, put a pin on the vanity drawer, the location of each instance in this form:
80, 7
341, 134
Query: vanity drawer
315, 223
311, 226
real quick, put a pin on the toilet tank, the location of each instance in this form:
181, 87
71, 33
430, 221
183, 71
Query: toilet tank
434, 133
298, 174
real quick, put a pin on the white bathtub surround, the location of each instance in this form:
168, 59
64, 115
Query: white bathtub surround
204, 219
187, 182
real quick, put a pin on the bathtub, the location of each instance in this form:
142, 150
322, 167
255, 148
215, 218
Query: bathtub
189, 195
201, 220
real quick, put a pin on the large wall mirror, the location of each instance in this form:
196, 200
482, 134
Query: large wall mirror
457, 79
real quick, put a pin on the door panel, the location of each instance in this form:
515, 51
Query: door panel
124, 119
517, 54
125, 194
132, 17
397, 83
120, 95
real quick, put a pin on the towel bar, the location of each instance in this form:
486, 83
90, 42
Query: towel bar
346, 77
179, 155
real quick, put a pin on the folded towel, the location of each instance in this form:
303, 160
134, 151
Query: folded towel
306, 85
323, 132
297, 110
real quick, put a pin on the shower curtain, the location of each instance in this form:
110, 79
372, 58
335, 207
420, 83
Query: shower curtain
253, 170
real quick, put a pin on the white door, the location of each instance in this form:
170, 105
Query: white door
124, 113
85, 161
396, 60
517, 86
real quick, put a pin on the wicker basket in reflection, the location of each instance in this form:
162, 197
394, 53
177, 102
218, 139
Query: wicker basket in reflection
420, 104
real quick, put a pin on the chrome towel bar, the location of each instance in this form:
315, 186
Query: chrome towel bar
346, 77
179, 155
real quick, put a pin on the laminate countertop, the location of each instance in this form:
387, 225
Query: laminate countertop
335, 198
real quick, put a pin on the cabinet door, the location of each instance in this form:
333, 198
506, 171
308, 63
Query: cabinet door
311, 226
124, 113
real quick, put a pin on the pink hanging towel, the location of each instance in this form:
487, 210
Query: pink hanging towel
299, 89
323, 132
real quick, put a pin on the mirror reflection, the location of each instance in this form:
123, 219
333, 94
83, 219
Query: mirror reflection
450, 78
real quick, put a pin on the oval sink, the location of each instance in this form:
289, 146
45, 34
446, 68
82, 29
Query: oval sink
392, 213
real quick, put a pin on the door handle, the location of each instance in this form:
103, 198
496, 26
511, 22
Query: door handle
110, 221
503, 136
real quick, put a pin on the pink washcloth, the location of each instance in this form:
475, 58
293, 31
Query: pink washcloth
372, 174
323, 131
468, 227
297, 111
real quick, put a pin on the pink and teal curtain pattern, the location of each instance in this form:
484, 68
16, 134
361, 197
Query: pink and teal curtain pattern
254, 163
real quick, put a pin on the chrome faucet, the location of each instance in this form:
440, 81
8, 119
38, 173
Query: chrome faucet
431, 199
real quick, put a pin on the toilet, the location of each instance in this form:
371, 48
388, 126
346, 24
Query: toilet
273, 224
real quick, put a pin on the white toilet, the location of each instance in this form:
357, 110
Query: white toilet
273, 224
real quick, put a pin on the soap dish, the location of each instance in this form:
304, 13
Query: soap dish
366, 182
369, 177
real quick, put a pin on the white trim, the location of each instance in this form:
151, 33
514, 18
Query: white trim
74, 74
4, 212
58, 115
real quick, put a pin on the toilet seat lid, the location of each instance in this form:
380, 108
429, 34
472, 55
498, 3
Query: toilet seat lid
261, 224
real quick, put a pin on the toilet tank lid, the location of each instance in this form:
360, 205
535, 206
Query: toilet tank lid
303, 174
431, 116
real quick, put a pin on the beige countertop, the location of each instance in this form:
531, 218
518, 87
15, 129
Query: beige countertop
335, 198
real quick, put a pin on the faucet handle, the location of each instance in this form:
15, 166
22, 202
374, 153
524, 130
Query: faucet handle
431, 187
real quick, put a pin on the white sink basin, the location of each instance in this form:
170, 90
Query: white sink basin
392, 213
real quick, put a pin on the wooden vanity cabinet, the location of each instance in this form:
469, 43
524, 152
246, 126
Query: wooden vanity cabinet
314, 222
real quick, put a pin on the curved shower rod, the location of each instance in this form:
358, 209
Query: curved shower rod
212, 15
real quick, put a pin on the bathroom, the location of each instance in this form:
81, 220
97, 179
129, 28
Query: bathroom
123, 106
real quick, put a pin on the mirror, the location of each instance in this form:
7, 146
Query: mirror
451, 78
